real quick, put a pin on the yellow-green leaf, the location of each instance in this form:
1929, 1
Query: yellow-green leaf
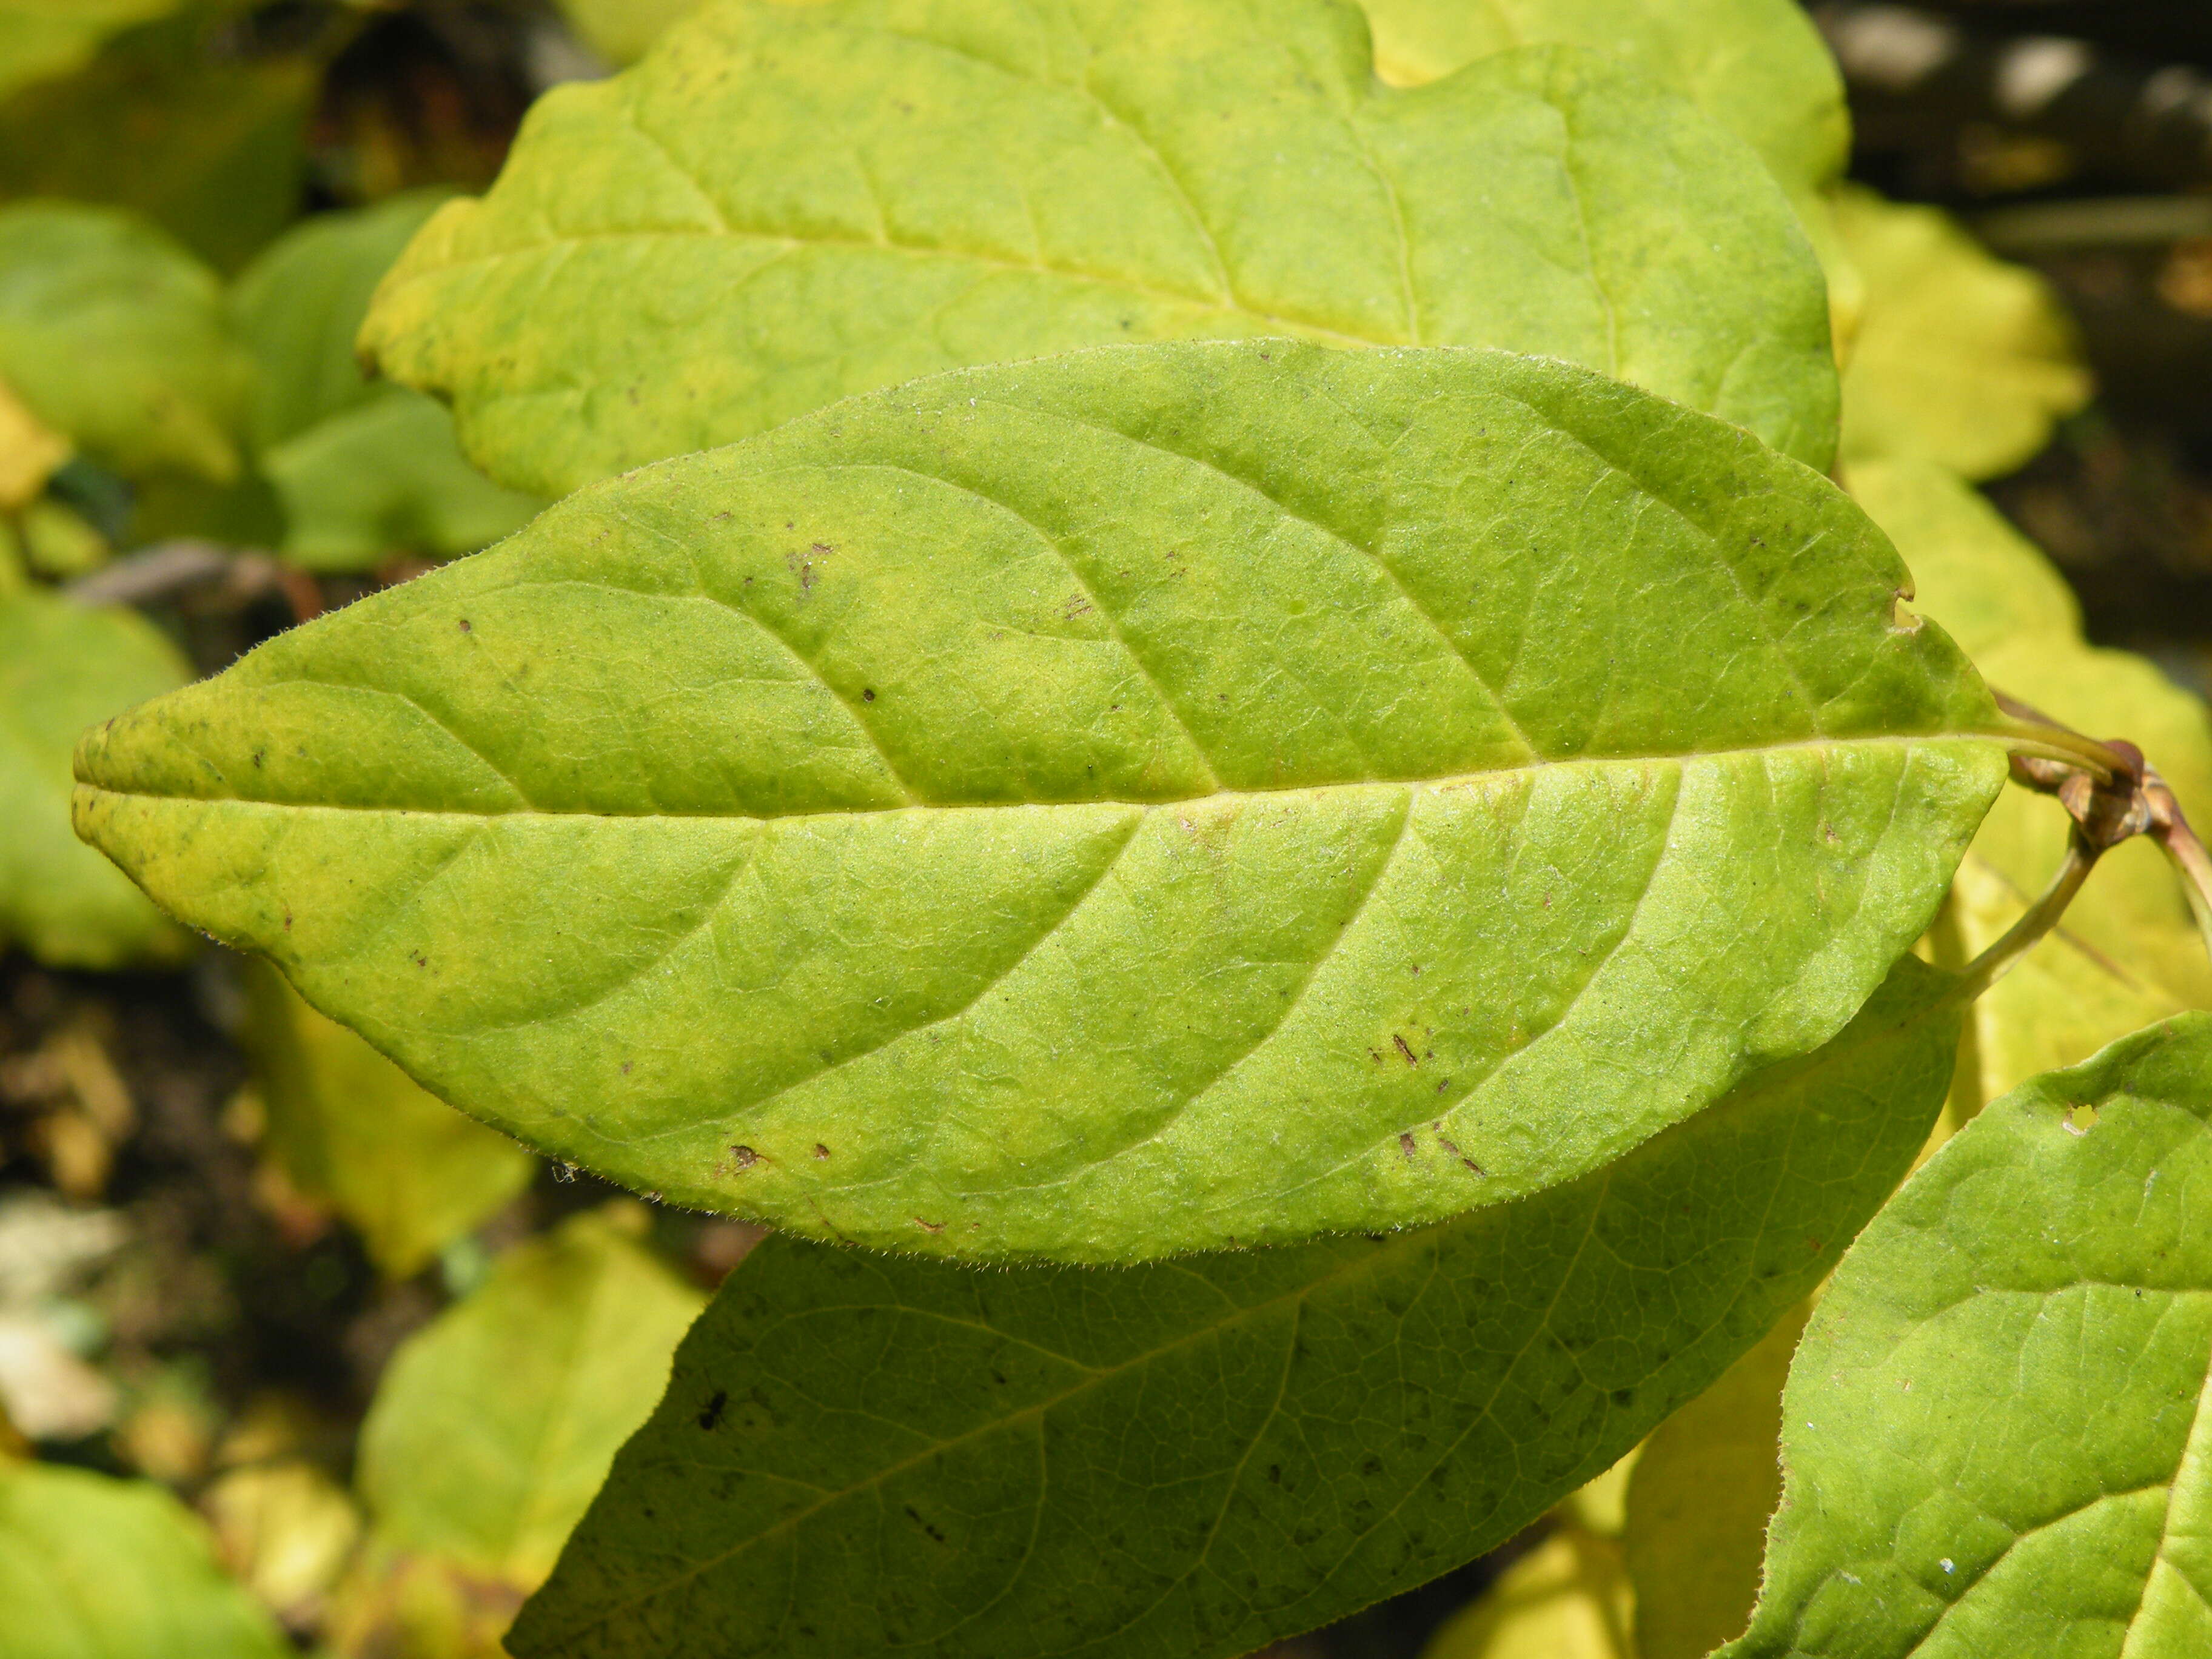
116, 337
1699, 1500
63, 668
782, 206
1566, 1599
1958, 358
621, 30
494, 1425
1998, 1434
40, 39
1130, 803
351, 1127
96, 1568
1758, 67
2128, 951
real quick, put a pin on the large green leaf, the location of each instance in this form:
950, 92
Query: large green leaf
1994, 1436
61, 667
1758, 67
1958, 358
363, 469
349, 1127
1191, 1458
2128, 951
95, 1568
1150, 799
621, 30
784, 205
115, 337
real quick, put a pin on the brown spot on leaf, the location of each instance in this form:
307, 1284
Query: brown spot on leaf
1406, 1049
743, 1156
929, 1226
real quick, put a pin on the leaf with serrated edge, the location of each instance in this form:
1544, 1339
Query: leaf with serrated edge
1995, 1438
1758, 67
63, 666
1193, 1458
96, 1568
782, 206
1146, 799
2127, 951
1958, 358
349, 1126
116, 337
1699, 1500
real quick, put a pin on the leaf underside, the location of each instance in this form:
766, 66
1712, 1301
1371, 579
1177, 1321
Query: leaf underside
1161, 797
782, 206
1994, 1438
860, 1455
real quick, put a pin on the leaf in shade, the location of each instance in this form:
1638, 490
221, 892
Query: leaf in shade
1125, 803
1193, 1458
782, 206
1995, 1435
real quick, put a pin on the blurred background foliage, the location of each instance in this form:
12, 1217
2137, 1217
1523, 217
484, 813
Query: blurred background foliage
293, 1357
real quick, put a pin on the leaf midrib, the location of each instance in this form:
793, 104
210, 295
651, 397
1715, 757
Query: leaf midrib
1443, 782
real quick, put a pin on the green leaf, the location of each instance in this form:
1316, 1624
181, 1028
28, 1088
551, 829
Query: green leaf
96, 1568
1193, 1458
1994, 1436
363, 469
783, 205
1758, 67
494, 1425
1699, 1500
40, 39
63, 668
115, 337
351, 1127
1959, 358
1150, 799
170, 122
621, 30
2128, 951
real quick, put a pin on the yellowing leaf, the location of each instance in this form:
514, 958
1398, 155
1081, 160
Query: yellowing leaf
1125, 804
349, 1127
782, 206
1758, 67
1958, 358
1698, 1501
29, 451
115, 337
2128, 951
1566, 1599
95, 1568
494, 1425
63, 668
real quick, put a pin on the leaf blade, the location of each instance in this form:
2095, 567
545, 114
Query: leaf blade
2084, 1334
810, 203
1012, 921
1319, 1425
